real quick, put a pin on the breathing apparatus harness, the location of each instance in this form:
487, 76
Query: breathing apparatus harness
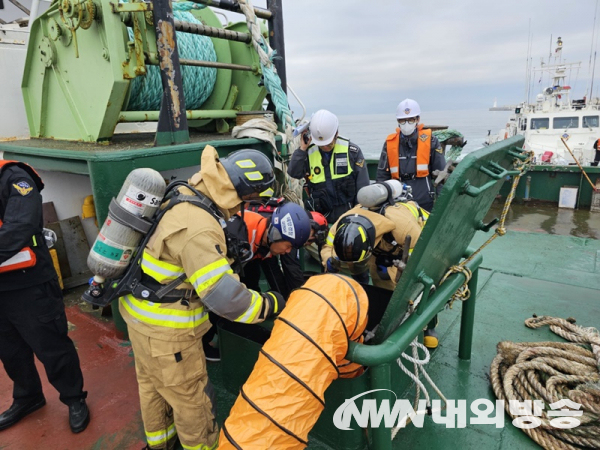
134, 281
396, 256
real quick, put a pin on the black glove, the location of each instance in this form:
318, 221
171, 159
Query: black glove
333, 265
274, 301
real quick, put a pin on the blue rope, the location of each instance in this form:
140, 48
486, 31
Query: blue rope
198, 82
278, 96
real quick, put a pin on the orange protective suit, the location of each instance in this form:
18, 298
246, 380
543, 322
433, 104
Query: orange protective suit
283, 397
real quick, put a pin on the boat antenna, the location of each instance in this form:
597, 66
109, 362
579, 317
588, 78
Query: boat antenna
591, 68
528, 63
592, 83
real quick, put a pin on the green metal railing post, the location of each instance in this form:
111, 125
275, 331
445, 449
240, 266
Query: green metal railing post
467, 320
381, 378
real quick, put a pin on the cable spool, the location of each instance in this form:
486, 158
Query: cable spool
141, 196
198, 82
376, 194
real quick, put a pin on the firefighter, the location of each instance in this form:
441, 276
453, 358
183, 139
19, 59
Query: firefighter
371, 240
32, 312
334, 167
176, 396
411, 154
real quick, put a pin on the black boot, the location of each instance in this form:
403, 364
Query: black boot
19, 409
79, 416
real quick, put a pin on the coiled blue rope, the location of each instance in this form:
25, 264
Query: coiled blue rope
198, 82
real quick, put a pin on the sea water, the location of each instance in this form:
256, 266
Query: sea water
369, 131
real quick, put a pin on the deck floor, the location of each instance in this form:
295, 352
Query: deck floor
523, 274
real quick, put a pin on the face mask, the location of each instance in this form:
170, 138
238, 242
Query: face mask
408, 128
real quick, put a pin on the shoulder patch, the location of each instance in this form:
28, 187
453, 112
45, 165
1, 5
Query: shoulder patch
23, 187
360, 163
353, 148
440, 150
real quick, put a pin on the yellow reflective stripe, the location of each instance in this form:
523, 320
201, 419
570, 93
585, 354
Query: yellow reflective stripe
362, 256
250, 314
204, 278
330, 238
254, 176
362, 233
159, 270
153, 314
160, 437
201, 446
246, 163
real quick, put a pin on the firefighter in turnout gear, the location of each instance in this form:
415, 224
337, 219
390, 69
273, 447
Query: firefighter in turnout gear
372, 241
334, 167
32, 312
411, 155
189, 243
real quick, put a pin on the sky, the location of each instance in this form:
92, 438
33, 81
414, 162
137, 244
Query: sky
356, 57
364, 57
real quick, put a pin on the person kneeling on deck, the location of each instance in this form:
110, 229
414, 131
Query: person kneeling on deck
411, 155
32, 312
374, 240
334, 167
189, 242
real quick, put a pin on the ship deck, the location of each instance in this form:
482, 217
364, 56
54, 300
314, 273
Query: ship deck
523, 273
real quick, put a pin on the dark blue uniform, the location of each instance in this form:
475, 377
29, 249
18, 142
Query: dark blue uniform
32, 312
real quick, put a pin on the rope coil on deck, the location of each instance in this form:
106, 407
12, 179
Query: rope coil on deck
553, 371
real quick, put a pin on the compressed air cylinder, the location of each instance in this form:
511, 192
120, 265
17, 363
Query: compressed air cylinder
376, 194
141, 195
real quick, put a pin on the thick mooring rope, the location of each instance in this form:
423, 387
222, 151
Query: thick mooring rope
271, 79
550, 372
198, 82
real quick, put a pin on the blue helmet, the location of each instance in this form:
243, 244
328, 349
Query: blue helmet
289, 222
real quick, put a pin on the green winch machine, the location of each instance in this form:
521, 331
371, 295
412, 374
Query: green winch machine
92, 64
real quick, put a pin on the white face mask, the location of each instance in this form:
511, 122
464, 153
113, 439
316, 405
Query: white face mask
408, 128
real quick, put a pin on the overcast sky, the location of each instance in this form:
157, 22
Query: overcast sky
366, 56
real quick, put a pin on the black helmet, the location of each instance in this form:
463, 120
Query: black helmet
250, 171
354, 238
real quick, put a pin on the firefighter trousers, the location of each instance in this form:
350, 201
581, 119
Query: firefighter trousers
176, 396
33, 321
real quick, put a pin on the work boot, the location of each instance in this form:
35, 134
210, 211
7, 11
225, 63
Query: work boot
211, 353
79, 416
430, 338
19, 409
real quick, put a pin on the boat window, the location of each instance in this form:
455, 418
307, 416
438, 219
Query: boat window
524, 124
540, 124
565, 122
590, 121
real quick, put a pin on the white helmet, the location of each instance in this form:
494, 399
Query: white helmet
323, 127
407, 108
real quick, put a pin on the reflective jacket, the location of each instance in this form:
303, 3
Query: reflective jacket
423, 153
332, 187
188, 240
24, 256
